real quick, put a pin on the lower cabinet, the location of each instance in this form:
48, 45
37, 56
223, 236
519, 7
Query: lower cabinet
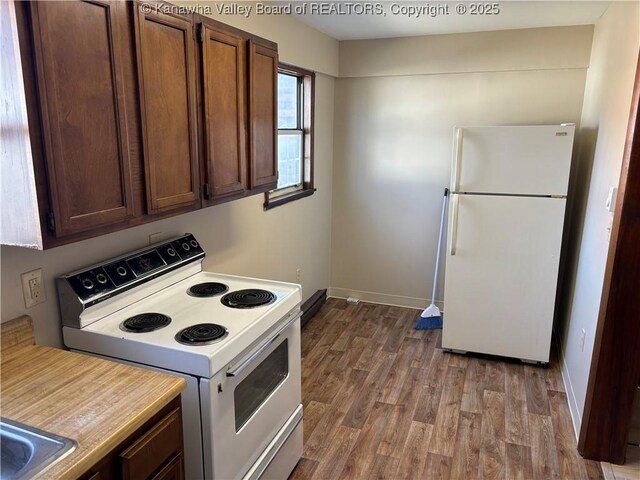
173, 471
154, 451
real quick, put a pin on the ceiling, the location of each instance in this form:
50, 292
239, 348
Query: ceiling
512, 14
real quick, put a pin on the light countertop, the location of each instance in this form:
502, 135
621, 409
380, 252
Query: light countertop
95, 402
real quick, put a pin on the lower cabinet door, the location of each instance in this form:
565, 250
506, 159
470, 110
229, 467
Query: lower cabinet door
162, 442
173, 471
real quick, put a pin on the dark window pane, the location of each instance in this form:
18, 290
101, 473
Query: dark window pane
287, 101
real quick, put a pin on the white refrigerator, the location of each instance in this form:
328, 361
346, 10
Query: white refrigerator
506, 215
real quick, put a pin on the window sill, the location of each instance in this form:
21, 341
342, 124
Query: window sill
270, 203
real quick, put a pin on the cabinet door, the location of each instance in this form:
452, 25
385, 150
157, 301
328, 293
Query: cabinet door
173, 471
158, 447
80, 82
263, 95
166, 77
223, 72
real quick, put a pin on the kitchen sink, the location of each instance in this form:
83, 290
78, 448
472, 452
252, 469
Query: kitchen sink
28, 451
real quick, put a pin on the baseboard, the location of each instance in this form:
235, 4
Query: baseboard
312, 305
382, 298
576, 417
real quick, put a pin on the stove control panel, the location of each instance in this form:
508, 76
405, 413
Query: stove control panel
91, 282
187, 247
99, 282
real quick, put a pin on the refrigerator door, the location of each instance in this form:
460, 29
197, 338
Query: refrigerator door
501, 274
527, 160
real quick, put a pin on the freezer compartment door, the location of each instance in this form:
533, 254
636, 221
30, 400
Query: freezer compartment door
527, 160
501, 274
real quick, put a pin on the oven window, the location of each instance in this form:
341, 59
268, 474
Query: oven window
264, 379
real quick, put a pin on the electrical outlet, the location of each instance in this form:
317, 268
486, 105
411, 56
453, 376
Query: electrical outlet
299, 275
156, 238
583, 337
33, 288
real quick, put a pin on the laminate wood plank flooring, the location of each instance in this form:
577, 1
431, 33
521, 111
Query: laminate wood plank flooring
383, 401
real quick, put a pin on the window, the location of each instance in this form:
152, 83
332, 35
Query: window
295, 131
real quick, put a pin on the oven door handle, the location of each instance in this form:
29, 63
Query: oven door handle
236, 371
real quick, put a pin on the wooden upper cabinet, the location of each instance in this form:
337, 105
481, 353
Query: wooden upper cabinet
81, 100
129, 117
225, 126
263, 126
165, 47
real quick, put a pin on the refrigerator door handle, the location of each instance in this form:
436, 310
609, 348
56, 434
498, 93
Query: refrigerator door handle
458, 160
454, 223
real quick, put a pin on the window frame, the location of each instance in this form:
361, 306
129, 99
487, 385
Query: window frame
306, 99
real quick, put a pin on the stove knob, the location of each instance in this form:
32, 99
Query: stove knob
101, 278
193, 243
121, 271
186, 246
171, 252
87, 283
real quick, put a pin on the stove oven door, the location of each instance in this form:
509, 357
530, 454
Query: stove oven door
247, 403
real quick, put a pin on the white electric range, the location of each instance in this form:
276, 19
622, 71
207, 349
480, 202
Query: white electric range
235, 340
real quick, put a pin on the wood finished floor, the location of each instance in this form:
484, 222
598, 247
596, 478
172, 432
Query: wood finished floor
381, 400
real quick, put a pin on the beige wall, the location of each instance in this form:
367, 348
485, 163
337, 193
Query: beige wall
393, 140
527, 49
298, 43
601, 138
239, 237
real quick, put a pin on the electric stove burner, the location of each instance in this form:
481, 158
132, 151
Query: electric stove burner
145, 322
250, 298
207, 289
201, 334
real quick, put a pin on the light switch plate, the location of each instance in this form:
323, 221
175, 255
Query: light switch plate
33, 288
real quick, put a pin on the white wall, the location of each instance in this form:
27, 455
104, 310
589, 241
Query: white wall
393, 139
239, 237
601, 139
